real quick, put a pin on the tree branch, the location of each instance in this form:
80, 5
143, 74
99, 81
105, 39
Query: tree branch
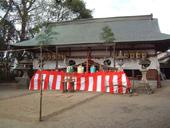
17, 7
30, 4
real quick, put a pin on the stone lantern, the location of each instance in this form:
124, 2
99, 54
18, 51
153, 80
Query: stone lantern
145, 63
24, 65
120, 59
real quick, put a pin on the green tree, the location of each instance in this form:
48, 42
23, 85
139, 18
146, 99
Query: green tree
78, 7
108, 36
46, 35
23, 13
7, 29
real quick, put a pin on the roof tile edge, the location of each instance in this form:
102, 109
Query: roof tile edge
107, 19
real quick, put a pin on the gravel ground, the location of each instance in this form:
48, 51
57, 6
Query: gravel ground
87, 110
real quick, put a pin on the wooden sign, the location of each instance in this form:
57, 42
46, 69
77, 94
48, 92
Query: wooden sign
52, 56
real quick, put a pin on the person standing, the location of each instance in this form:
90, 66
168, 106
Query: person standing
92, 69
80, 69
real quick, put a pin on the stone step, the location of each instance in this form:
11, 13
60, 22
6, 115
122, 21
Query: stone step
143, 90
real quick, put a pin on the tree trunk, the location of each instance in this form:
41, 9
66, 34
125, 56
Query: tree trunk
24, 17
23, 30
114, 57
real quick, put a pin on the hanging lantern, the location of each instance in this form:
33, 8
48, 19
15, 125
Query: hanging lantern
138, 55
144, 55
58, 56
132, 55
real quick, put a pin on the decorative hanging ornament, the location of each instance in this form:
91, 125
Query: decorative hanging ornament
107, 62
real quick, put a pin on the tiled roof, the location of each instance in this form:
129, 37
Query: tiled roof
126, 29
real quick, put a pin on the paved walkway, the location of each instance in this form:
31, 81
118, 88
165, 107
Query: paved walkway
88, 110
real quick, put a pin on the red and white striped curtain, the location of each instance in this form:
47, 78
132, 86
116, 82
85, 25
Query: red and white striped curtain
113, 82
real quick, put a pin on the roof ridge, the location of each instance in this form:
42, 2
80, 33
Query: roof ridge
105, 19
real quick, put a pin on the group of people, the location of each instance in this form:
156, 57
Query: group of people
80, 69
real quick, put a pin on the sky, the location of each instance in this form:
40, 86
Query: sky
111, 8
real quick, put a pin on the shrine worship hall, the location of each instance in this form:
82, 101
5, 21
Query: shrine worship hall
105, 52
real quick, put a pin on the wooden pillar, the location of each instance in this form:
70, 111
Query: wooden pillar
133, 76
87, 65
88, 58
158, 80
41, 82
56, 58
111, 49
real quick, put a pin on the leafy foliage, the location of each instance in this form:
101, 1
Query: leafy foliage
46, 35
28, 16
79, 7
107, 35
3, 4
7, 33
